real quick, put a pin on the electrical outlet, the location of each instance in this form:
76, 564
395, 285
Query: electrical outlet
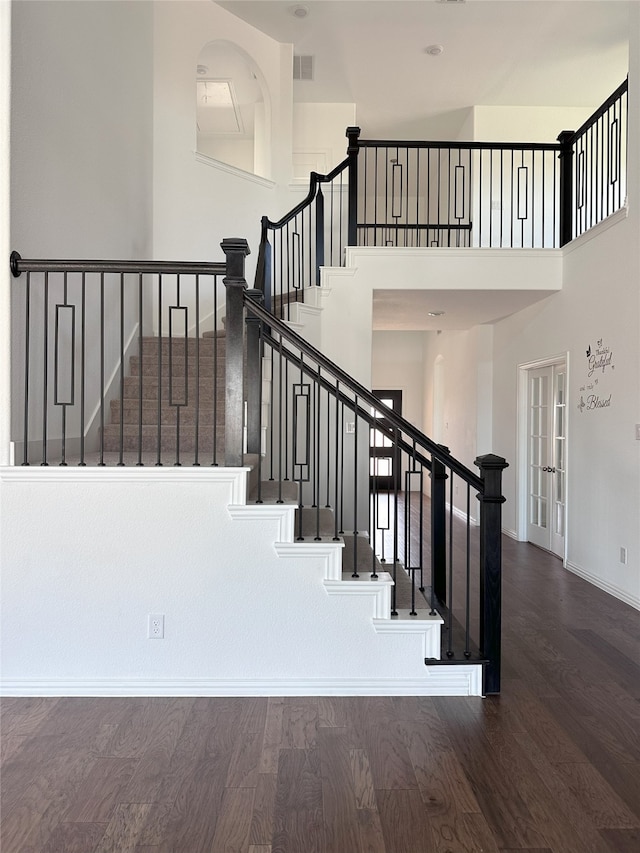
155, 626
637, 432
623, 556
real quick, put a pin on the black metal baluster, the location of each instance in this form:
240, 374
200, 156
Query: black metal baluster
295, 455
282, 433
342, 241
121, 452
373, 497
261, 351
491, 197
140, 362
45, 369
467, 640
394, 611
83, 353
365, 198
512, 210
271, 411
159, 429
421, 528
599, 163
439, 189
102, 388
63, 455
316, 462
355, 488
328, 503
533, 197
591, 179
186, 372
341, 531
417, 239
450, 584
214, 461
375, 199
196, 460
556, 203
608, 210
480, 199
336, 484
27, 365
501, 196
544, 200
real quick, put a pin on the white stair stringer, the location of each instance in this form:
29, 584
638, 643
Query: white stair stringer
396, 647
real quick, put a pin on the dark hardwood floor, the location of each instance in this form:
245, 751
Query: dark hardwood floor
552, 765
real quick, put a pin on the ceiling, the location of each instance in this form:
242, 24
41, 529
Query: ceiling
408, 310
495, 53
556, 53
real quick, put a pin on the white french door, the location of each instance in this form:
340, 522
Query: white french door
546, 456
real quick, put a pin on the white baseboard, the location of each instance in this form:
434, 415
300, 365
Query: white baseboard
462, 515
440, 680
612, 589
510, 533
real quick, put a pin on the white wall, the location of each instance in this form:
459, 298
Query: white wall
81, 158
463, 357
526, 124
117, 545
600, 301
397, 364
81, 129
5, 241
198, 203
319, 139
346, 322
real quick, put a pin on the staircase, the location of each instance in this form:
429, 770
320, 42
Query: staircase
168, 373
180, 387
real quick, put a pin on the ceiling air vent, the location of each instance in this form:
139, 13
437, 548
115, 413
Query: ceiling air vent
303, 67
451, 1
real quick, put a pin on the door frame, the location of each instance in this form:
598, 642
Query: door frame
522, 473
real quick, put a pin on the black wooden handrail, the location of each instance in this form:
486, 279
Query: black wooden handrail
20, 265
315, 179
464, 146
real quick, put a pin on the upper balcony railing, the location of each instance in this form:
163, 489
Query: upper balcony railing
449, 194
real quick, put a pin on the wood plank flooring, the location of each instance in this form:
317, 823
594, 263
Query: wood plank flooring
552, 765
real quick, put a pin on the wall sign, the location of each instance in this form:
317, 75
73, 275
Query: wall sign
599, 364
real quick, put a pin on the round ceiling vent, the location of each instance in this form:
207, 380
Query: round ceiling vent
434, 49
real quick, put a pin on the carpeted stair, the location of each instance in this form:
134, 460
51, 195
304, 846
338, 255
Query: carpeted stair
172, 386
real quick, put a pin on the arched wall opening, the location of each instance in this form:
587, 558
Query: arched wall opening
233, 111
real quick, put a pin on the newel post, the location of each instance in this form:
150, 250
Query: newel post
439, 527
254, 376
236, 249
566, 187
353, 134
491, 500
